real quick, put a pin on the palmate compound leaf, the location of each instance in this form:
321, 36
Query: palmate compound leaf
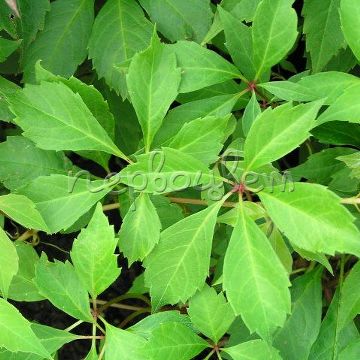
312, 218
173, 340
324, 37
123, 344
140, 229
179, 264
210, 313
180, 19
93, 254
62, 200
255, 281
278, 131
201, 67
9, 263
62, 43
55, 118
59, 283
121, 23
22, 210
350, 21
153, 81
16, 333
274, 33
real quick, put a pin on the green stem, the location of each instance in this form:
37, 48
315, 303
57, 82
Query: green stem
124, 297
133, 316
73, 326
208, 356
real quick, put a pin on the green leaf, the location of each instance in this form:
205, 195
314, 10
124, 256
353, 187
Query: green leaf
93, 254
345, 108
255, 350
140, 229
218, 106
179, 264
7, 89
62, 43
255, 281
122, 344
239, 43
146, 326
278, 131
324, 37
329, 225
252, 111
201, 67
350, 352
7, 47
169, 213
63, 111
180, 19
16, 334
274, 33
149, 71
9, 263
292, 341
165, 171
332, 339
210, 313
353, 162
21, 161
349, 305
121, 23
60, 284
22, 287
201, 138
62, 200
349, 14
174, 340
22, 210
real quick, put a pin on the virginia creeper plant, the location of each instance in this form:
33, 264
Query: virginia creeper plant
203, 154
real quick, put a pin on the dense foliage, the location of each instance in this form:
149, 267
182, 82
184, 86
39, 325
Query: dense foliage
204, 155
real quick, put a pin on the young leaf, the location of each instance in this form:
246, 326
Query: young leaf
123, 24
179, 264
292, 341
239, 43
278, 131
350, 14
173, 340
329, 225
60, 284
255, 281
62, 44
22, 287
349, 305
93, 254
122, 344
16, 334
22, 210
324, 37
255, 349
201, 138
149, 71
165, 171
21, 161
61, 200
140, 230
180, 19
252, 111
274, 33
9, 263
62, 111
210, 313
201, 67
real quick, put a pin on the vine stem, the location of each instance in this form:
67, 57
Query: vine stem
73, 326
208, 356
124, 297
121, 306
351, 201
